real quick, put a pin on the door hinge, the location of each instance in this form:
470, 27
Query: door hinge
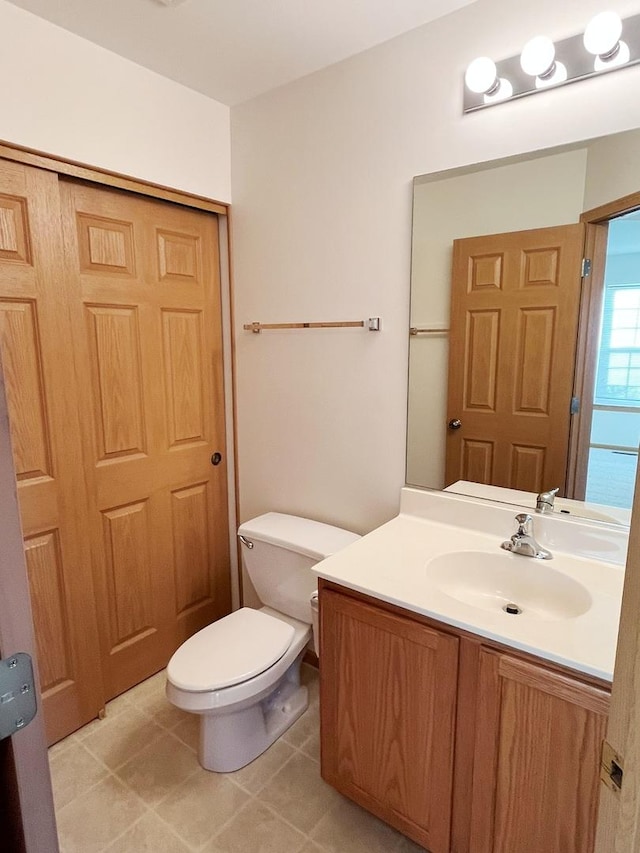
17, 694
611, 768
574, 406
586, 267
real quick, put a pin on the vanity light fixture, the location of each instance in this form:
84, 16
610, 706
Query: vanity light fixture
607, 44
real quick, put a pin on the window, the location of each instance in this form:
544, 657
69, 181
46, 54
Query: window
618, 377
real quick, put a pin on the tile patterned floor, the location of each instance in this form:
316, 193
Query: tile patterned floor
131, 783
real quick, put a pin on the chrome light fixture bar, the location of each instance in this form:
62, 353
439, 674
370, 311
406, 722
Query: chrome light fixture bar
607, 44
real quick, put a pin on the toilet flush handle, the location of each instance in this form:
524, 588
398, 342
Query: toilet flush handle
246, 541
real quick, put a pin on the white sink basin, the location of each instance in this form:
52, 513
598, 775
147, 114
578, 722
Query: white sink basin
494, 581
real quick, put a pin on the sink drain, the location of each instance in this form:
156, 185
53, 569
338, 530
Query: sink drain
513, 609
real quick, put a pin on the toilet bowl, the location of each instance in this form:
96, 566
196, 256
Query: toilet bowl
241, 674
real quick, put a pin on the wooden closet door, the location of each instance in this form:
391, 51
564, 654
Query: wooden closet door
148, 341
35, 338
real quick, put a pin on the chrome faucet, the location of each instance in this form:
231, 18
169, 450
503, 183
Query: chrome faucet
544, 501
522, 541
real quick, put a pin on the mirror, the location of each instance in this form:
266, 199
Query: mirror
537, 190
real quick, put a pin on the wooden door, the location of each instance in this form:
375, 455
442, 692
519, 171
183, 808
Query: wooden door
388, 687
35, 338
148, 345
536, 762
514, 323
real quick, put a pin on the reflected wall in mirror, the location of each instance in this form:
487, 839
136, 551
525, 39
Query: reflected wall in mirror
536, 191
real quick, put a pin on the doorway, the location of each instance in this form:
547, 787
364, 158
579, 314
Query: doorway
615, 429
606, 429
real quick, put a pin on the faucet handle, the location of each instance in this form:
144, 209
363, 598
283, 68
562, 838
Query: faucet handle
524, 523
544, 501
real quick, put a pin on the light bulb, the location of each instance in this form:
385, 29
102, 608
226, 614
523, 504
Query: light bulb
558, 75
603, 33
501, 92
619, 57
538, 56
481, 76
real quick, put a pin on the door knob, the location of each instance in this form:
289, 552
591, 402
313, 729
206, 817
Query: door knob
216, 458
454, 423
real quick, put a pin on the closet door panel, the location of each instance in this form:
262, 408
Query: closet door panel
35, 335
146, 276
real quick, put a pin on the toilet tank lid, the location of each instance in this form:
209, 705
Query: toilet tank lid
302, 535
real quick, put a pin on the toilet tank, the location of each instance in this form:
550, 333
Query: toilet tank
278, 552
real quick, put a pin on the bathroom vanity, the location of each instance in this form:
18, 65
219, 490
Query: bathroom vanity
470, 728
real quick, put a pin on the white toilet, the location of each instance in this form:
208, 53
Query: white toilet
242, 673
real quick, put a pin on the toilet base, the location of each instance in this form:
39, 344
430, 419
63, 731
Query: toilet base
230, 741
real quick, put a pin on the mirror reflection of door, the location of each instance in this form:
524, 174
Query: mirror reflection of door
612, 455
511, 368
515, 301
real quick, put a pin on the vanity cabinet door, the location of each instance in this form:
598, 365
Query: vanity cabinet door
536, 759
388, 692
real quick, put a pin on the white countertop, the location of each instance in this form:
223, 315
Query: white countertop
391, 564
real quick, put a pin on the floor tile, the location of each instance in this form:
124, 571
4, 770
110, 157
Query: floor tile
92, 820
72, 772
115, 740
256, 829
298, 794
159, 768
150, 698
148, 835
200, 806
63, 745
112, 709
188, 730
303, 728
310, 676
347, 827
254, 776
153, 686
311, 746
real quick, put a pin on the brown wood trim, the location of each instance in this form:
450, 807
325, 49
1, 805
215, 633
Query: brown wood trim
96, 175
371, 615
485, 755
612, 209
465, 740
460, 633
234, 394
586, 359
554, 684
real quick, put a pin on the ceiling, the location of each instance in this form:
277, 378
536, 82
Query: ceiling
233, 50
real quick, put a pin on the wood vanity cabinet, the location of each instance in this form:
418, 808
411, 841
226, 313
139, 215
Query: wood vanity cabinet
388, 693
460, 744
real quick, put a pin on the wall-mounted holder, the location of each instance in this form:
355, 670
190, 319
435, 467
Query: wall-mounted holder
608, 44
373, 324
434, 329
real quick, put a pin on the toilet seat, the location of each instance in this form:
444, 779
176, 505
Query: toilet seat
238, 656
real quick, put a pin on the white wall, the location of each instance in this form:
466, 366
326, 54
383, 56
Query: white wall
321, 173
63, 95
